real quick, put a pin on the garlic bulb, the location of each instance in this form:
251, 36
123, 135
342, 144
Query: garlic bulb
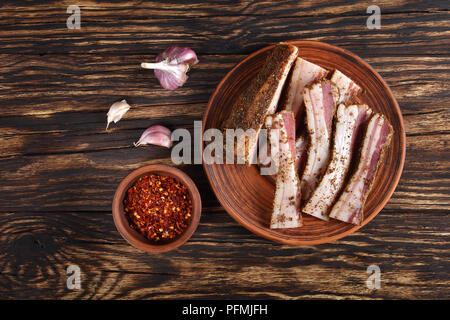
172, 65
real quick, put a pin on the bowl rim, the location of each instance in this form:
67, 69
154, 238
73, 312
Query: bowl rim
133, 237
260, 231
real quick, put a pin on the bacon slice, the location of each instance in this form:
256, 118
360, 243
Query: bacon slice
347, 87
301, 145
349, 123
320, 104
259, 100
350, 205
286, 213
303, 74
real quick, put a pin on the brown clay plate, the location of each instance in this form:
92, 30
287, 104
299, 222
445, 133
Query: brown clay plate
247, 196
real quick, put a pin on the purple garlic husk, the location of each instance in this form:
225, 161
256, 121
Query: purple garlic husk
172, 65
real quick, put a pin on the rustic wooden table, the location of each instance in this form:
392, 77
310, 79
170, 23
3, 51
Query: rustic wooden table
60, 168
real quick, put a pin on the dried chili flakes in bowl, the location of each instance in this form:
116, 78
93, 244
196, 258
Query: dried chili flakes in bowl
158, 206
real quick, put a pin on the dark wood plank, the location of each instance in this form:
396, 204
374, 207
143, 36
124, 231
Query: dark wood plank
39, 87
195, 8
138, 31
222, 260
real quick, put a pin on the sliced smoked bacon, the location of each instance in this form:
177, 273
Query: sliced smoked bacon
281, 132
350, 205
348, 129
259, 100
300, 152
303, 74
347, 87
320, 105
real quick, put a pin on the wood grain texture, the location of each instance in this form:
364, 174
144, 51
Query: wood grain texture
222, 260
243, 27
59, 168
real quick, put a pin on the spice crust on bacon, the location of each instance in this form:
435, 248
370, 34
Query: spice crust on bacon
303, 73
350, 205
320, 104
281, 131
349, 123
347, 87
259, 100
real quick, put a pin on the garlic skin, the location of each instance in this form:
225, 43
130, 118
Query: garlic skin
116, 112
172, 65
156, 135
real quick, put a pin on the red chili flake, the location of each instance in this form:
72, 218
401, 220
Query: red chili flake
158, 206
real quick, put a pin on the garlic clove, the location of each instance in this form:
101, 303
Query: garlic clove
156, 135
116, 112
157, 128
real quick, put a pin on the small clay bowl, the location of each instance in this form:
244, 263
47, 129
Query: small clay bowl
135, 238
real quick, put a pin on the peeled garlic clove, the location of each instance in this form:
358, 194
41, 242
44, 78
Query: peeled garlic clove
156, 135
116, 111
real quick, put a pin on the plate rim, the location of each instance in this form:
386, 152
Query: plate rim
379, 206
